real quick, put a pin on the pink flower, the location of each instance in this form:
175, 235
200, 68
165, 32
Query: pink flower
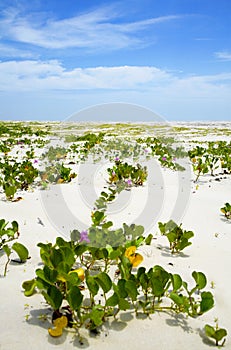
84, 237
164, 158
117, 159
129, 182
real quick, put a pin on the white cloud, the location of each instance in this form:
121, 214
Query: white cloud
51, 75
93, 30
46, 89
223, 55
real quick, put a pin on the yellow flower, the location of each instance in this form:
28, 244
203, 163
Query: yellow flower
59, 324
80, 273
134, 258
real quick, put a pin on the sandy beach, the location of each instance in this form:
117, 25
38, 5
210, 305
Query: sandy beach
45, 214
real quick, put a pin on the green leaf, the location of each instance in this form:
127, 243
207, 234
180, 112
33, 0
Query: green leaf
130, 287
68, 255
216, 334
3, 224
7, 249
108, 224
80, 249
220, 333
209, 331
176, 281
98, 217
172, 236
96, 316
120, 288
104, 281
21, 250
92, 285
207, 302
114, 254
54, 297
200, 279
113, 300
56, 257
74, 298
123, 304
15, 226
60, 242
42, 278
29, 287
148, 239
49, 274
188, 234
157, 286
183, 243
63, 268
75, 235
178, 300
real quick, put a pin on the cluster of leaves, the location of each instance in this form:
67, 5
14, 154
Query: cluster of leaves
16, 175
55, 153
62, 286
216, 333
8, 234
177, 237
226, 210
93, 276
86, 144
57, 173
163, 149
208, 159
122, 148
124, 172
18, 129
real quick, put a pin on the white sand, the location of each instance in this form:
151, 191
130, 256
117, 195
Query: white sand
209, 253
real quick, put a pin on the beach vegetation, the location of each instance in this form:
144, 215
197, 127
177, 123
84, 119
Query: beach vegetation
177, 237
216, 333
226, 210
9, 233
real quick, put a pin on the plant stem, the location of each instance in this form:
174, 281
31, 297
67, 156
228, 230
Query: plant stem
6, 265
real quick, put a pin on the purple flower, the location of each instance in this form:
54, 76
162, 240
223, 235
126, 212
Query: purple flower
117, 159
35, 161
174, 159
129, 182
164, 158
84, 237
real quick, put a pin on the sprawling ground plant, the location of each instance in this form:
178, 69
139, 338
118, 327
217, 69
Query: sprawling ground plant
16, 176
57, 173
77, 281
216, 333
124, 172
97, 274
216, 155
177, 237
226, 210
7, 235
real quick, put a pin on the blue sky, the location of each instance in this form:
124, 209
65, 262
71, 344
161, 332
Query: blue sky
170, 56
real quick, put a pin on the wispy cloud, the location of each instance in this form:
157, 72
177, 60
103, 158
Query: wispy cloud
9, 51
223, 55
96, 29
